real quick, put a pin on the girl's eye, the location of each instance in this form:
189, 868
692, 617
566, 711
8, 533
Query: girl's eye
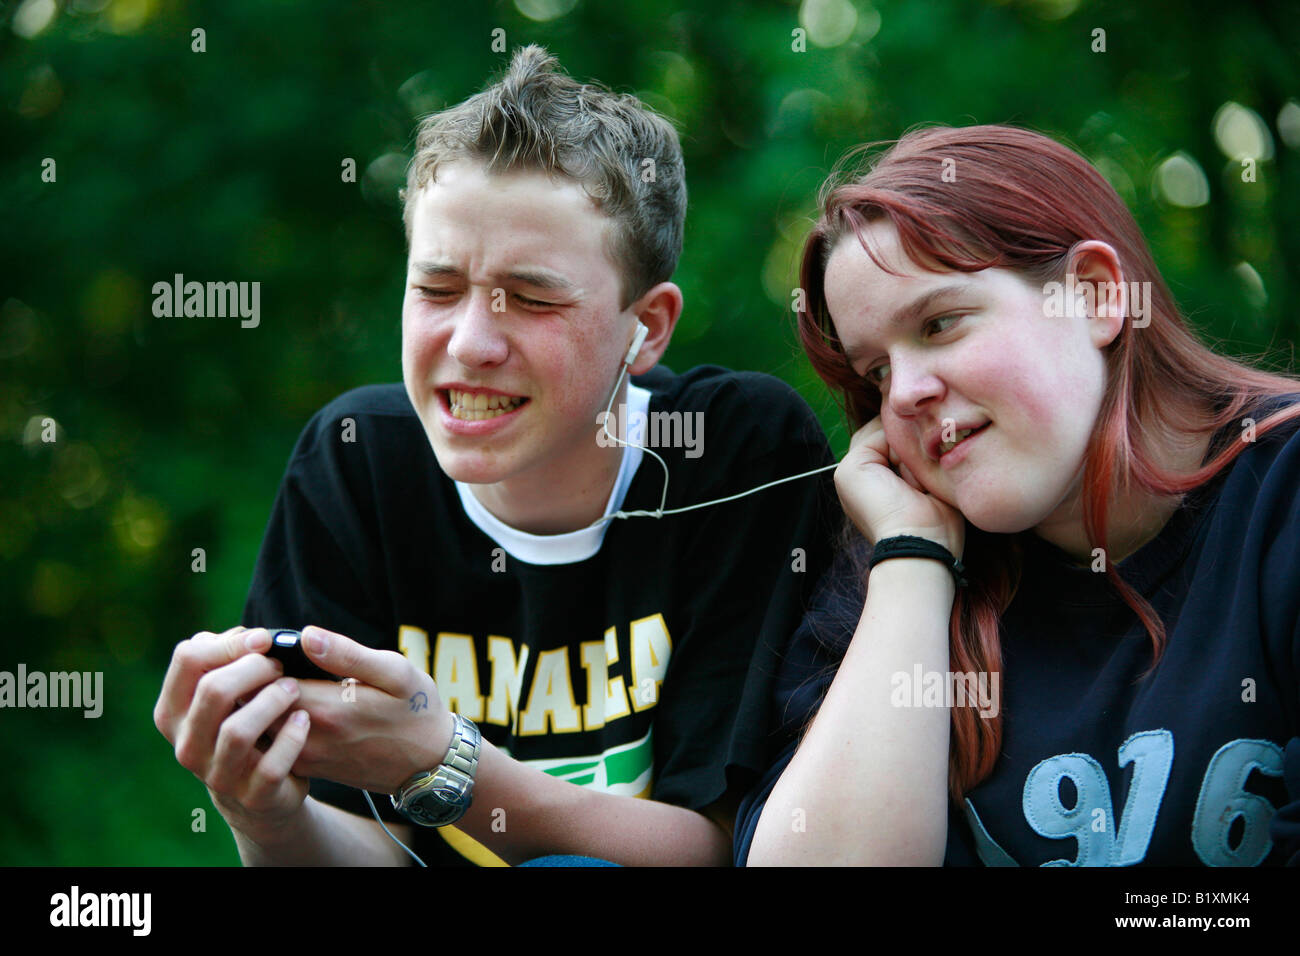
429, 293
534, 303
878, 375
934, 324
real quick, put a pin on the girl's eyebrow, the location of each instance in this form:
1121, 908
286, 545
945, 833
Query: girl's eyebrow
908, 313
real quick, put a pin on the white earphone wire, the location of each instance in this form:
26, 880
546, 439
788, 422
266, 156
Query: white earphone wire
663, 498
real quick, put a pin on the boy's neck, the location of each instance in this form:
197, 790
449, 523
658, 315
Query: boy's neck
566, 504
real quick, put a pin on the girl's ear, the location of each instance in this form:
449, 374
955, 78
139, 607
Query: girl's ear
1099, 275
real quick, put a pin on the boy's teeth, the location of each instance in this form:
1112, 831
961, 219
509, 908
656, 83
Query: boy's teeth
472, 407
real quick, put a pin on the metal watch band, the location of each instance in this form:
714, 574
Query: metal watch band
466, 742
441, 796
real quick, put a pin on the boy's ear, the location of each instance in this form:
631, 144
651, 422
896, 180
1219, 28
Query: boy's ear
1097, 264
658, 310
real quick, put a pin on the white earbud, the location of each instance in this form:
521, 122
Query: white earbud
637, 341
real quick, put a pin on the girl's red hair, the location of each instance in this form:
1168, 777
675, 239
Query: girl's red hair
1017, 200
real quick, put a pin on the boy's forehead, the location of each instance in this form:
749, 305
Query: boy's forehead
521, 215
531, 193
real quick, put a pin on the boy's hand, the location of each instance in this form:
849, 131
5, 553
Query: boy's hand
215, 735
376, 729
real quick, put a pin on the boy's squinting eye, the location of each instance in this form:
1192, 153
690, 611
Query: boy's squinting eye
425, 292
442, 295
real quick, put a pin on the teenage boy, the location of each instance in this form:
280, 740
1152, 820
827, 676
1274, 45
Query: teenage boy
520, 670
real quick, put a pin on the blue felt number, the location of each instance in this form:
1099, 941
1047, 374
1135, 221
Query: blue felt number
1050, 818
1152, 754
1223, 800
1091, 820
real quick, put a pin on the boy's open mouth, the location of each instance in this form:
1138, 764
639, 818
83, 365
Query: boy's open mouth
477, 406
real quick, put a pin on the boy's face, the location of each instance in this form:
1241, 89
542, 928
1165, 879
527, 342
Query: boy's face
511, 302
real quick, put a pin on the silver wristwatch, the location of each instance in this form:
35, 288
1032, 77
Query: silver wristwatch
437, 797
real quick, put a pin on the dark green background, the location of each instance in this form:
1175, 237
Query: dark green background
226, 165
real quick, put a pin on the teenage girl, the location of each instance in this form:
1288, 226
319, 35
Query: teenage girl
1068, 629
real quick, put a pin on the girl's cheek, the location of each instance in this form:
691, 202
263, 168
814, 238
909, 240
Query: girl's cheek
931, 479
896, 435
906, 446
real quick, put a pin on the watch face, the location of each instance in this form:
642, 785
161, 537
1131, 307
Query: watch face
438, 807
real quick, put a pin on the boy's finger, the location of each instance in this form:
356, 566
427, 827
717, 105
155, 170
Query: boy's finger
345, 657
197, 656
240, 732
280, 757
215, 696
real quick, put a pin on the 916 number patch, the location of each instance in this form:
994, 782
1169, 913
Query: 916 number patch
1221, 803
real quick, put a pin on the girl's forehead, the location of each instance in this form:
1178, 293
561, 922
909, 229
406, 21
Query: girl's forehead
882, 242
878, 242
856, 282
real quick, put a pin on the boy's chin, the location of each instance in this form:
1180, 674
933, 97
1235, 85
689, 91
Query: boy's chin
469, 469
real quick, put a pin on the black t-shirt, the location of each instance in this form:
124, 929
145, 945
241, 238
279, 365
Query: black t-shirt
643, 668
1198, 763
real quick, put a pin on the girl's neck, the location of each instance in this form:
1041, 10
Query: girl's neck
1133, 519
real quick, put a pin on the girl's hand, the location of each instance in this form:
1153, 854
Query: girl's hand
883, 503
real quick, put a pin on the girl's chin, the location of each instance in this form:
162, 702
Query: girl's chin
944, 495
994, 520
993, 513
994, 516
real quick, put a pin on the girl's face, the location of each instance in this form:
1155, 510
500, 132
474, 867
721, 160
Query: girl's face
954, 351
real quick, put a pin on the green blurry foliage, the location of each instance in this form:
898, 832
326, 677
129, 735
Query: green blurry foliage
225, 165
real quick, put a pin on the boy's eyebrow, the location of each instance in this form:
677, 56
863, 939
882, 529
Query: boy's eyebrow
908, 313
537, 277
541, 279
434, 269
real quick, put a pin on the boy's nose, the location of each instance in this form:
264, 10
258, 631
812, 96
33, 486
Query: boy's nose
477, 339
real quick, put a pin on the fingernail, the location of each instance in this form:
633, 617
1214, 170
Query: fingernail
288, 685
314, 639
257, 638
300, 718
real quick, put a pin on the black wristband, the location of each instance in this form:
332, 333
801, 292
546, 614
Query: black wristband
908, 546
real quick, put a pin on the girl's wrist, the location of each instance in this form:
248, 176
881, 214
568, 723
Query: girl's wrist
905, 572
900, 547
934, 535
